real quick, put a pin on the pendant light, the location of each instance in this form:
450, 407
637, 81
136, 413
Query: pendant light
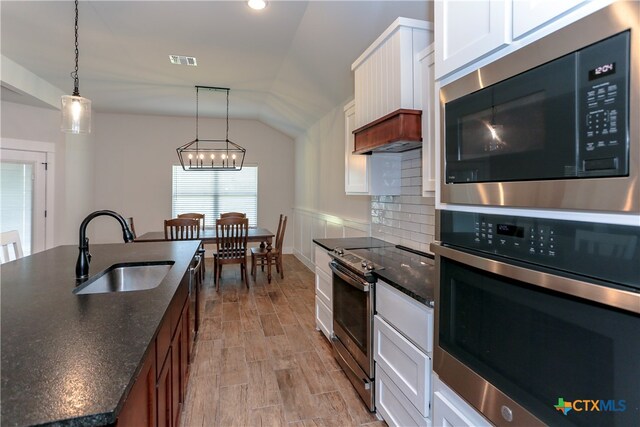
211, 154
76, 110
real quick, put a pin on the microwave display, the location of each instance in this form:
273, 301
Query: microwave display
602, 71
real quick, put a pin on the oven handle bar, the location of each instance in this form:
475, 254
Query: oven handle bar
618, 298
350, 279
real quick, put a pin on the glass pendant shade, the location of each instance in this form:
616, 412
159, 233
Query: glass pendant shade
76, 114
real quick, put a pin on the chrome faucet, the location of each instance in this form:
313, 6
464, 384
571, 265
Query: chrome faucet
84, 257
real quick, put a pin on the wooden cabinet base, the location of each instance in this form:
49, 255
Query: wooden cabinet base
140, 408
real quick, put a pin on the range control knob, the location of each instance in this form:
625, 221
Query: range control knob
339, 251
364, 263
370, 266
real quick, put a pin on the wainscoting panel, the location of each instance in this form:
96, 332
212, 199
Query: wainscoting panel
309, 225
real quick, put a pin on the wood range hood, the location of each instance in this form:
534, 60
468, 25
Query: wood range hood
396, 132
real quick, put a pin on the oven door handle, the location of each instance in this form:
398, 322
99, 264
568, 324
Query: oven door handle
349, 278
619, 298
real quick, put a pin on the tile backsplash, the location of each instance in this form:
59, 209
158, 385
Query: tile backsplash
407, 219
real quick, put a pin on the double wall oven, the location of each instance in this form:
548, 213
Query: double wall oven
537, 315
531, 312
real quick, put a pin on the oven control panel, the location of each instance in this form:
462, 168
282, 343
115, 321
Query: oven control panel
606, 251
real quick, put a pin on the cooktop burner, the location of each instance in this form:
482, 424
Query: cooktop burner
358, 264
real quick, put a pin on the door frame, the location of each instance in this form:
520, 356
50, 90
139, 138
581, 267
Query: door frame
48, 148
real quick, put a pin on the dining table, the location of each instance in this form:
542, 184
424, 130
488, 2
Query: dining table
208, 236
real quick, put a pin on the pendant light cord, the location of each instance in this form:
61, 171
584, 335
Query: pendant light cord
227, 137
197, 91
74, 74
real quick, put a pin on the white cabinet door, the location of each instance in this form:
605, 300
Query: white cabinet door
450, 410
429, 104
468, 30
413, 319
324, 318
324, 288
393, 406
529, 15
407, 366
356, 166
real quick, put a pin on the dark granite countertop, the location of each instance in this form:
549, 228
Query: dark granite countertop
408, 272
72, 359
351, 243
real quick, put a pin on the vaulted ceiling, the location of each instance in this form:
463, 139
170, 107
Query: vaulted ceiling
287, 65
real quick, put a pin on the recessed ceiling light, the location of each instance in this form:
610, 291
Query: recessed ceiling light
183, 60
257, 4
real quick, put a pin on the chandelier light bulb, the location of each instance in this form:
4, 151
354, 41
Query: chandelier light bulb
257, 4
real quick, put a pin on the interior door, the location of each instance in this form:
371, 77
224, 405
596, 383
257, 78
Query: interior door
23, 197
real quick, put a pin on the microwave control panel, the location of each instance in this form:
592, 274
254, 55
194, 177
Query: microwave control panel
603, 74
605, 251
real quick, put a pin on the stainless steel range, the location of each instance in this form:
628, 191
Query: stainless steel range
353, 309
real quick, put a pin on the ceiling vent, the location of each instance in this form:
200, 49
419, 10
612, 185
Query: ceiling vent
183, 60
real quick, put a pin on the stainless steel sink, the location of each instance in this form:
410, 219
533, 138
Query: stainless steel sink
126, 277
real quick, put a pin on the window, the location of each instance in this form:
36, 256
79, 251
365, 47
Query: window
216, 192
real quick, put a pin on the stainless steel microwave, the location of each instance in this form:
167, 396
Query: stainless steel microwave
552, 125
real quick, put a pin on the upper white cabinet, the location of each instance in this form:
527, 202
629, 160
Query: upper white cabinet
356, 178
467, 30
529, 15
385, 73
474, 31
430, 102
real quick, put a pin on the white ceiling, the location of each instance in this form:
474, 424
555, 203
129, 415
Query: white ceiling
287, 65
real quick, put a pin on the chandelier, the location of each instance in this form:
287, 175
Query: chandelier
211, 154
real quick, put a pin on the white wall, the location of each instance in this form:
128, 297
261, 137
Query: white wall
134, 155
319, 171
73, 168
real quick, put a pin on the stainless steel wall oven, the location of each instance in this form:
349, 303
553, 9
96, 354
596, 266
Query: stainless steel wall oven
552, 125
534, 314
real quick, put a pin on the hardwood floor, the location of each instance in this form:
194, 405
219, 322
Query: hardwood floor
260, 361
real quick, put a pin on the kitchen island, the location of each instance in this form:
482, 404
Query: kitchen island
73, 359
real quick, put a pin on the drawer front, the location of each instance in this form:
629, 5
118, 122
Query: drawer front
322, 260
394, 407
407, 366
451, 409
413, 319
324, 318
324, 289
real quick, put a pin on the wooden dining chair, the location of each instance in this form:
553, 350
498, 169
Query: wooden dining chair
198, 216
233, 214
11, 246
231, 236
181, 229
270, 257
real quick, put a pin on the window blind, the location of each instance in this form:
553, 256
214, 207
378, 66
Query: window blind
214, 192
